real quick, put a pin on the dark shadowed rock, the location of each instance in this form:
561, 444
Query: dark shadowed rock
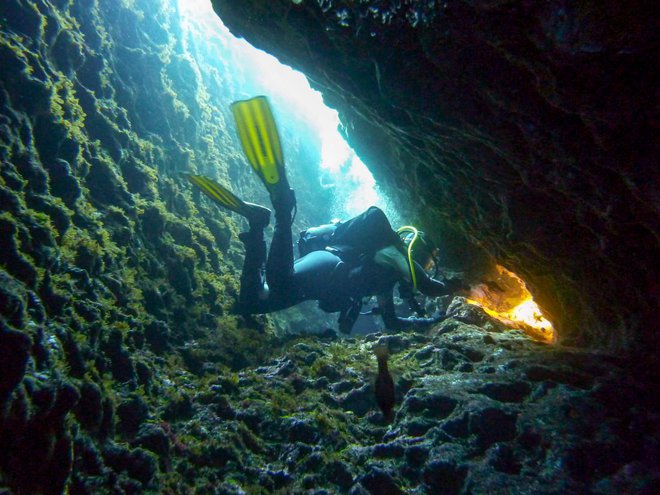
339, 474
416, 455
62, 181
571, 377
431, 404
457, 426
506, 392
444, 477
15, 350
132, 413
157, 334
388, 450
301, 431
359, 400
492, 425
379, 482
89, 410
122, 365
503, 459
153, 438
137, 463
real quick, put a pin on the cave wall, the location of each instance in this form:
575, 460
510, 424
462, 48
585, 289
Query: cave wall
103, 106
525, 129
116, 279
106, 264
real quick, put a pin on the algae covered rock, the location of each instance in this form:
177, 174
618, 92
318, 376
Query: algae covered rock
136, 463
132, 413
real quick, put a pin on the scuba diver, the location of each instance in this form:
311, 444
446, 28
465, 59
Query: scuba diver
339, 264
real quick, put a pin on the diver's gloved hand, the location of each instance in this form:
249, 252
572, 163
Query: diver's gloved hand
406, 290
349, 315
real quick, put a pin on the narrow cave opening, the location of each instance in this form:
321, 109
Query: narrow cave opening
505, 297
305, 121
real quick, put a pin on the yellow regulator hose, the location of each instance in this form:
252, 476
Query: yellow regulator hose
415, 233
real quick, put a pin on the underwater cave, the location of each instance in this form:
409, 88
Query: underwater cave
520, 137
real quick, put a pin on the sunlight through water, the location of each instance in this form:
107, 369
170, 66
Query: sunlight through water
291, 95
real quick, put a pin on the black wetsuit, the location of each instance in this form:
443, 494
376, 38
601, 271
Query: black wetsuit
321, 275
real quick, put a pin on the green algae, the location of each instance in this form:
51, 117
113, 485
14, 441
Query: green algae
133, 278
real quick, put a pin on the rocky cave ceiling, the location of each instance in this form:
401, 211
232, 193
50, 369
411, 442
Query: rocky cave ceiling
523, 130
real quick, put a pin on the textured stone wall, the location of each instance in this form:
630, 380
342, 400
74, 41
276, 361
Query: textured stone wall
524, 128
102, 107
115, 277
122, 369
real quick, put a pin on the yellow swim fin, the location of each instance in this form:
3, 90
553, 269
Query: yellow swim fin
257, 215
257, 132
219, 194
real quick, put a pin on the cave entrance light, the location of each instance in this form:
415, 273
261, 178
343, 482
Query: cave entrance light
295, 103
507, 299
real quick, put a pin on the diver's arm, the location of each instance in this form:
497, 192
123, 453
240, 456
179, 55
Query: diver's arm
394, 322
434, 288
427, 285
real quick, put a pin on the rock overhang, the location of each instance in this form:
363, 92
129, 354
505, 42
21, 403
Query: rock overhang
518, 133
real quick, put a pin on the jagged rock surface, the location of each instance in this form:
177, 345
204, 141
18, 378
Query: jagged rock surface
528, 128
478, 411
122, 369
112, 271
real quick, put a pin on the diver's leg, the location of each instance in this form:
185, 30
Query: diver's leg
279, 267
253, 295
